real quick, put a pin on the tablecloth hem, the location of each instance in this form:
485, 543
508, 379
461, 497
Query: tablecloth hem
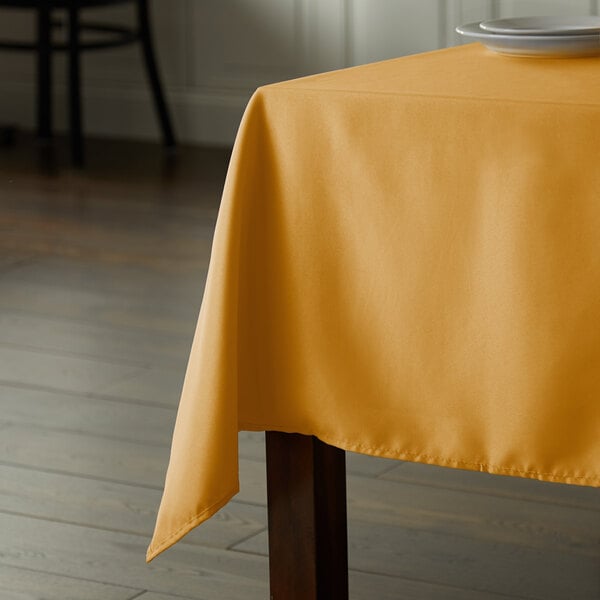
420, 457
158, 548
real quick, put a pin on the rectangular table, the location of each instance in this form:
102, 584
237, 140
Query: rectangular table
406, 264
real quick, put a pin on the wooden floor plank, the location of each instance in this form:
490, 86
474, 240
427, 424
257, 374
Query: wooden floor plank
90, 376
25, 584
117, 461
543, 574
123, 279
155, 385
150, 313
498, 485
370, 586
62, 372
114, 507
79, 454
496, 519
112, 419
456, 513
464, 563
90, 340
117, 558
125, 238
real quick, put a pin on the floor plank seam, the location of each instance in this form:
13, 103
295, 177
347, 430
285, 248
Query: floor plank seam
87, 434
128, 400
146, 535
232, 547
120, 380
87, 580
192, 270
85, 395
65, 353
388, 470
32, 468
81, 475
427, 484
499, 595
452, 535
89, 323
83, 432
138, 595
84, 321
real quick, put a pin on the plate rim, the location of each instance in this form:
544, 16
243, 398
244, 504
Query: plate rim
548, 31
474, 30
534, 46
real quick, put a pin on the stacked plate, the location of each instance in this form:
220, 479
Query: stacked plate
538, 36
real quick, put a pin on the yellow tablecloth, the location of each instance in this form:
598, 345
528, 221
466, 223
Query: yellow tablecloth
406, 264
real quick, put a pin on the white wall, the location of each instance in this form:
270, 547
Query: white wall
214, 53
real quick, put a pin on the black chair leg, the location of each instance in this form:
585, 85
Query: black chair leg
75, 113
160, 104
44, 72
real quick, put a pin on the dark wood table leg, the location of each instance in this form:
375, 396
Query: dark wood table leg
308, 547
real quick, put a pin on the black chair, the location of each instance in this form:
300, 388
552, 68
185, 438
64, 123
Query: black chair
111, 36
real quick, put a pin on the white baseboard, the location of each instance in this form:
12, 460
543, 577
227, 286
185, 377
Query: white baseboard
199, 117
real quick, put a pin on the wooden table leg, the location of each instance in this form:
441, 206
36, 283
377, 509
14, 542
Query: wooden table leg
308, 547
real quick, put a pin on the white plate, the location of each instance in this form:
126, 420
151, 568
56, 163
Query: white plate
544, 25
559, 46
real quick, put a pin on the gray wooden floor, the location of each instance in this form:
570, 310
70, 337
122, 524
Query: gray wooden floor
101, 276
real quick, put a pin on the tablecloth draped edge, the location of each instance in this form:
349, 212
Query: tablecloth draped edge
424, 458
157, 548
